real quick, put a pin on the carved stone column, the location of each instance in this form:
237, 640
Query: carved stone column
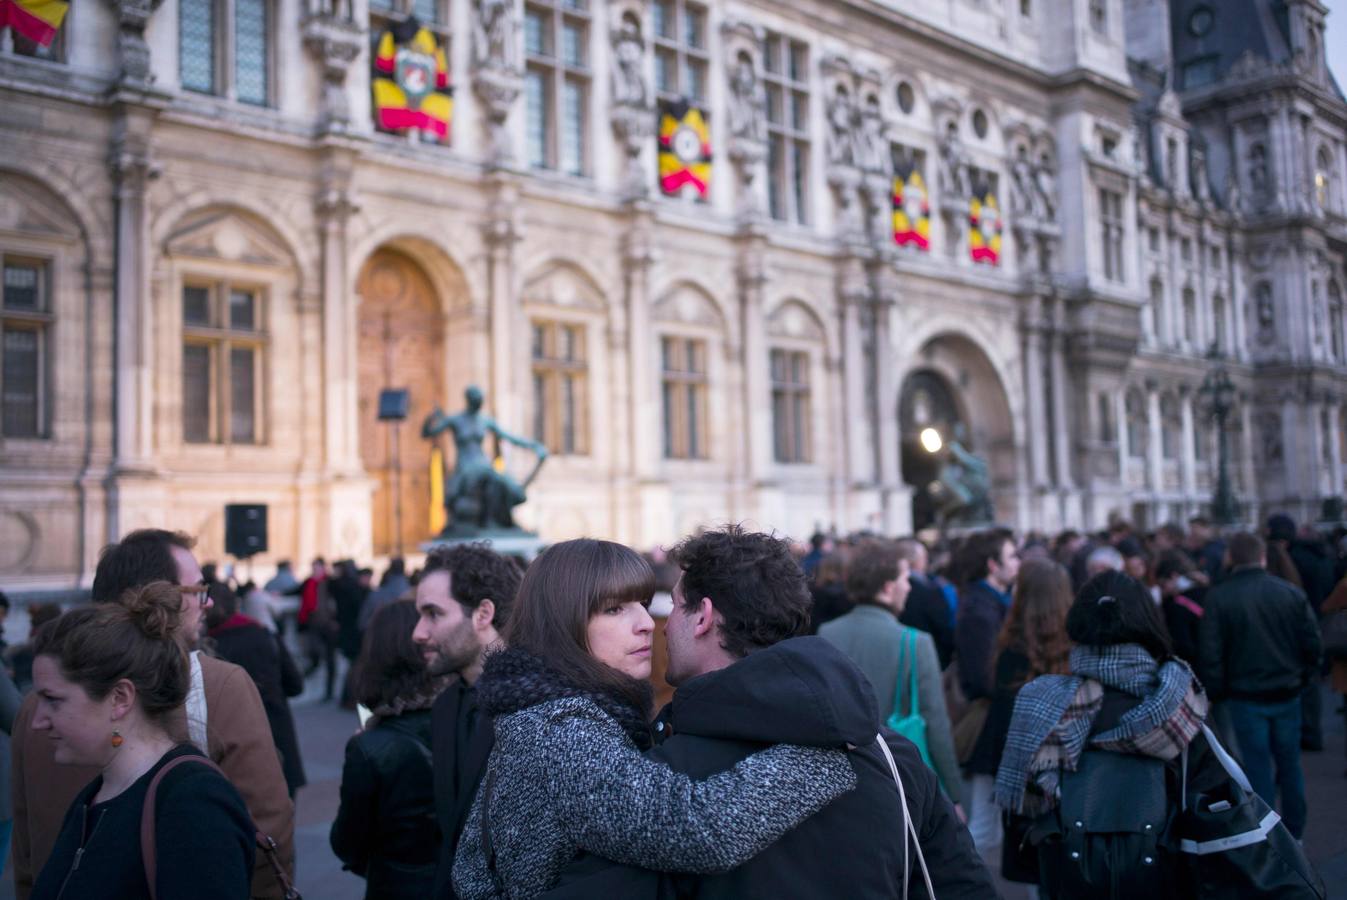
1032, 329
133, 52
333, 208
751, 274
853, 295
638, 258
334, 39
501, 234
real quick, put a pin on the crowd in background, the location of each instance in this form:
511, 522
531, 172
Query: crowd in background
993, 664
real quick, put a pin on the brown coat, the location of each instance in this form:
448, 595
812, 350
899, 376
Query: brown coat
1334, 602
240, 743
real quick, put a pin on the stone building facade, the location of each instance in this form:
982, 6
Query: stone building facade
1019, 222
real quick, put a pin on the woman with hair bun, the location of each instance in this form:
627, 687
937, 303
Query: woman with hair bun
108, 678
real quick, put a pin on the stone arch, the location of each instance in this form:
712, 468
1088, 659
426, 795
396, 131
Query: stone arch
43, 184
567, 284
448, 276
977, 396
797, 319
688, 302
170, 219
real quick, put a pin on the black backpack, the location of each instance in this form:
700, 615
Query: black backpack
1106, 838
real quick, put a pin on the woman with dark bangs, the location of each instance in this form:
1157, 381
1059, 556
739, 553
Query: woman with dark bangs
572, 707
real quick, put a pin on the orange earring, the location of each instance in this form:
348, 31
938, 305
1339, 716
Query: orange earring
116, 738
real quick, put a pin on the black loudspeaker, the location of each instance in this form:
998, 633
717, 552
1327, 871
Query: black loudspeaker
393, 405
245, 529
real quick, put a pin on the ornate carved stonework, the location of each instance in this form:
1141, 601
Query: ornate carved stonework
133, 53
497, 77
334, 39
632, 116
747, 111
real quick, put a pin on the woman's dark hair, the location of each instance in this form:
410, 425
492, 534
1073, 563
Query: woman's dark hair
1113, 608
135, 639
1036, 623
390, 666
567, 585
832, 570
224, 603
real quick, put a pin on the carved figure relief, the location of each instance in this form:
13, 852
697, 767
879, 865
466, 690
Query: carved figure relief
748, 102
1265, 312
872, 148
629, 87
1023, 187
493, 35
1197, 174
841, 144
952, 169
1045, 181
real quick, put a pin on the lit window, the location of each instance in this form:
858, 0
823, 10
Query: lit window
223, 353
684, 389
790, 405
560, 370
25, 319
786, 77
556, 85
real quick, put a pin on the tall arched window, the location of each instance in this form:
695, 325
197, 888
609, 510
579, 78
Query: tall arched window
1189, 317
1335, 323
1171, 427
1138, 429
1218, 322
1323, 179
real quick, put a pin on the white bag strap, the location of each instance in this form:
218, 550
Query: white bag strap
1234, 841
909, 830
1227, 761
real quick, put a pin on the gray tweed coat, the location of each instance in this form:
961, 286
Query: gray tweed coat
565, 775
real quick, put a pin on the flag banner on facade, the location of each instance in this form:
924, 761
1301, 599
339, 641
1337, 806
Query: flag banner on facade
438, 516
684, 149
911, 204
984, 223
37, 20
411, 81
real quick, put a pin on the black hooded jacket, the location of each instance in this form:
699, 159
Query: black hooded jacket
805, 691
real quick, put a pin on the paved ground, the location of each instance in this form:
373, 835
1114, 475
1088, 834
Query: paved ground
324, 729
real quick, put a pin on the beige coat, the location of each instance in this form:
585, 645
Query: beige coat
239, 740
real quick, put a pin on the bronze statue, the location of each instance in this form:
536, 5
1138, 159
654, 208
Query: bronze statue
479, 499
962, 490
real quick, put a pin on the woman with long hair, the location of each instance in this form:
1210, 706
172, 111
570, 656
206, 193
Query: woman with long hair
572, 708
386, 829
109, 679
1032, 642
1125, 693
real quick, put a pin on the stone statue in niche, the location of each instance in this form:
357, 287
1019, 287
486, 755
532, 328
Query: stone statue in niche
1234, 198
1258, 174
1265, 312
629, 87
1023, 188
841, 129
494, 35
952, 168
872, 149
1045, 182
1197, 158
748, 102
1270, 436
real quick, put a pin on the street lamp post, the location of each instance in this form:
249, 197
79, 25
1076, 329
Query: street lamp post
1219, 393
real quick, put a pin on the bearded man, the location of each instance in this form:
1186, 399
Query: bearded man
463, 599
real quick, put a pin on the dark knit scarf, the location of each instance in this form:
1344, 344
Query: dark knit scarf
514, 679
422, 699
1054, 715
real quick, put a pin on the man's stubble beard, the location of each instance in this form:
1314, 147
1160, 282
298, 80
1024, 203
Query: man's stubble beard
462, 651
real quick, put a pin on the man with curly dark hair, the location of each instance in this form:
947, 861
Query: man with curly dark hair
462, 601
749, 676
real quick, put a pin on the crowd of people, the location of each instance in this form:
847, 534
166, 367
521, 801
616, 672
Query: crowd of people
984, 716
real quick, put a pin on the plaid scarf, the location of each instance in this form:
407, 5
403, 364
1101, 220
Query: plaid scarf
1054, 714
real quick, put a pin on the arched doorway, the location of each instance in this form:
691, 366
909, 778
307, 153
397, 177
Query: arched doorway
400, 344
953, 395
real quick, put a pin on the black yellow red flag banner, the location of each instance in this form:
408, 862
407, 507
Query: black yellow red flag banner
411, 81
911, 205
37, 20
984, 224
684, 149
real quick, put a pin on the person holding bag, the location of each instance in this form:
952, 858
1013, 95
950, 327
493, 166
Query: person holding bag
1128, 794
108, 679
900, 663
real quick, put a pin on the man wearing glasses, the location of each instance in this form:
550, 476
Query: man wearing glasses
223, 716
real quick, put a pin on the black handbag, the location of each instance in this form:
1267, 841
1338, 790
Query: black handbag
1335, 634
1231, 844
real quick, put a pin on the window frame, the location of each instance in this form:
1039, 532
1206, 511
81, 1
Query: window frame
1112, 233
677, 443
555, 370
557, 73
224, 53
41, 321
796, 396
221, 338
789, 149
684, 54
